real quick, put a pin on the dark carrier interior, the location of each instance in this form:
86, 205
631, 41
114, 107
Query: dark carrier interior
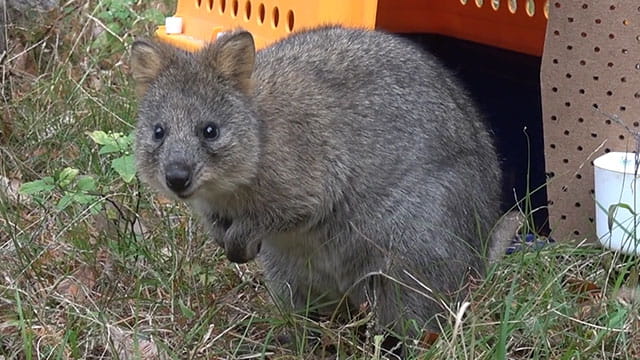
506, 85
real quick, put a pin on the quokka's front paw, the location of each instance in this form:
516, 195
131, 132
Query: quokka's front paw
218, 228
241, 242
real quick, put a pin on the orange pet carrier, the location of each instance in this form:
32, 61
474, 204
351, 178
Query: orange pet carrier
517, 25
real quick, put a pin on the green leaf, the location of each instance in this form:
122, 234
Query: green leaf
37, 186
100, 137
115, 27
96, 208
125, 166
104, 15
84, 199
65, 201
153, 15
66, 176
108, 149
86, 183
188, 313
618, 318
611, 213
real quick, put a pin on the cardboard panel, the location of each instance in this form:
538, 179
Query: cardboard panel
591, 60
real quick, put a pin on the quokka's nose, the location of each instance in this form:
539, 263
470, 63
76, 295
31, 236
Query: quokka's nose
178, 177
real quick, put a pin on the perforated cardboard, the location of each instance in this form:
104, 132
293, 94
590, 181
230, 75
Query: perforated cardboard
590, 67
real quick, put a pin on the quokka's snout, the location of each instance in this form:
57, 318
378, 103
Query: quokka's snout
178, 177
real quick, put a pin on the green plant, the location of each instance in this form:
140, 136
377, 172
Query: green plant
84, 190
117, 143
75, 189
115, 17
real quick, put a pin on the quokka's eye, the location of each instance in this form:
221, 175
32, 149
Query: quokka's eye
210, 131
158, 132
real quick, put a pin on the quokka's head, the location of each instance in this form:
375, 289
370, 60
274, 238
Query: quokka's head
197, 131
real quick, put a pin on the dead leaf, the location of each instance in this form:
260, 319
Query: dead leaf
116, 219
584, 287
19, 58
9, 189
588, 311
130, 348
95, 83
634, 343
162, 200
77, 286
428, 339
628, 296
6, 126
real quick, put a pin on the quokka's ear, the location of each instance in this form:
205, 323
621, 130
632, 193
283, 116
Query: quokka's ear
146, 62
233, 55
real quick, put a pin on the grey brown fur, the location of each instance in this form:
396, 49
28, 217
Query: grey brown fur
341, 155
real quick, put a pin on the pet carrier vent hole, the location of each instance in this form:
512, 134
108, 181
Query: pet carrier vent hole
198, 2
247, 10
531, 8
495, 4
290, 20
209, 5
223, 6
513, 6
479, 3
234, 8
275, 17
261, 14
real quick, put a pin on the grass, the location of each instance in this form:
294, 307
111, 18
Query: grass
135, 278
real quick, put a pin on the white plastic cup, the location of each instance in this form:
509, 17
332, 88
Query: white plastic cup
173, 25
616, 183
